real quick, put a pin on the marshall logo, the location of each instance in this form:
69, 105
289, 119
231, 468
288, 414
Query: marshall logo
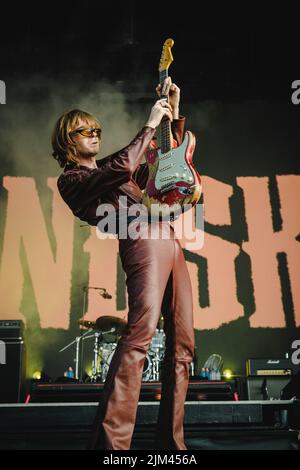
273, 362
2, 92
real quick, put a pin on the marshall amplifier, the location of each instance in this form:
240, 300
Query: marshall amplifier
12, 361
270, 366
11, 329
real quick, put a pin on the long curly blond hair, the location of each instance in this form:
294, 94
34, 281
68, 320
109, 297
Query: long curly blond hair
64, 149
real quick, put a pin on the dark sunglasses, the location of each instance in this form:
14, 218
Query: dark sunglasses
88, 132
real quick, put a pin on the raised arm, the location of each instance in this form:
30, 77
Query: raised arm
86, 185
81, 187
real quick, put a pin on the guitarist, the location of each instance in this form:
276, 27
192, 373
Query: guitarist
157, 277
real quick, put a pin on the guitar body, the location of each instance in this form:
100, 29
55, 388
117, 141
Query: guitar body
173, 181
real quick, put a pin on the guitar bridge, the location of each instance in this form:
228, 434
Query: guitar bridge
167, 187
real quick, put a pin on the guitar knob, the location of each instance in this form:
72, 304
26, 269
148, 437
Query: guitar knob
190, 178
183, 175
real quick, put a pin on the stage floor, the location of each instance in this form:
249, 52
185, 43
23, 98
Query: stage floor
208, 425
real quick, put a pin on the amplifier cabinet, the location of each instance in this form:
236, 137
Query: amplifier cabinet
266, 388
12, 361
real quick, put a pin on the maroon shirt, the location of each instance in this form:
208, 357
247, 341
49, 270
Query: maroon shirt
119, 174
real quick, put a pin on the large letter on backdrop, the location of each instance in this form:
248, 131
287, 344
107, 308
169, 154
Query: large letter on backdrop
50, 275
220, 254
102, 273
264, 244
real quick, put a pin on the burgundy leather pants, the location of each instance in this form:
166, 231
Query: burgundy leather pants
157, 281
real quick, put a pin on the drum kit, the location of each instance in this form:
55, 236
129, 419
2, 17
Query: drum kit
106, 332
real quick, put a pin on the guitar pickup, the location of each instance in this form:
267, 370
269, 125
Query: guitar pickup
167, 187
166, 167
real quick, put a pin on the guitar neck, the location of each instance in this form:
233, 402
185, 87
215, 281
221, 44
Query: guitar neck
165, 125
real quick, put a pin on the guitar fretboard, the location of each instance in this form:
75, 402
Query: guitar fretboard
165, 125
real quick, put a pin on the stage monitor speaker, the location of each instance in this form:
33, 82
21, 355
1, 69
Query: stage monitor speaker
292, 389
266, 387
12, 361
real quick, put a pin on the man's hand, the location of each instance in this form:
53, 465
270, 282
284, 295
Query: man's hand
169, 88
160, 109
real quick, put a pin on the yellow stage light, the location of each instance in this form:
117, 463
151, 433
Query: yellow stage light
37, 375
227, 373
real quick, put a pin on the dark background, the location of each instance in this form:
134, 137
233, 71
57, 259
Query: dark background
242, 59
226, 52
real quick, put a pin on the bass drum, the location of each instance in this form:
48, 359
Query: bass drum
147, 371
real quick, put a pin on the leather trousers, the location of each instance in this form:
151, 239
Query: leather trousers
157, 282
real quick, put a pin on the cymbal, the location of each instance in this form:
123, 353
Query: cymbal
105, 323
87, 324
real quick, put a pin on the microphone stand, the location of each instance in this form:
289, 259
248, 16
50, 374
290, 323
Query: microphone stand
77, 341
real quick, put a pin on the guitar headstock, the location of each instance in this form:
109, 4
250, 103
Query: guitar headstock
166, 55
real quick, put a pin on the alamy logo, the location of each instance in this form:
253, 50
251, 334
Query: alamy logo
2, 92
296, 94
2, 352
296, 354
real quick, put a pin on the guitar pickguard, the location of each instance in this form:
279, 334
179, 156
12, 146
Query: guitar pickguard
173, 181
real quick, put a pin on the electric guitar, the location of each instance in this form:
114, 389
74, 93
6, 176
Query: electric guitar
173, 180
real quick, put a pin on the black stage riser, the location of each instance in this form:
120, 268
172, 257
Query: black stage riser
68, 425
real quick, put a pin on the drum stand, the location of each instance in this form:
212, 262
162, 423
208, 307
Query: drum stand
155, 373
95, 361
96, 373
